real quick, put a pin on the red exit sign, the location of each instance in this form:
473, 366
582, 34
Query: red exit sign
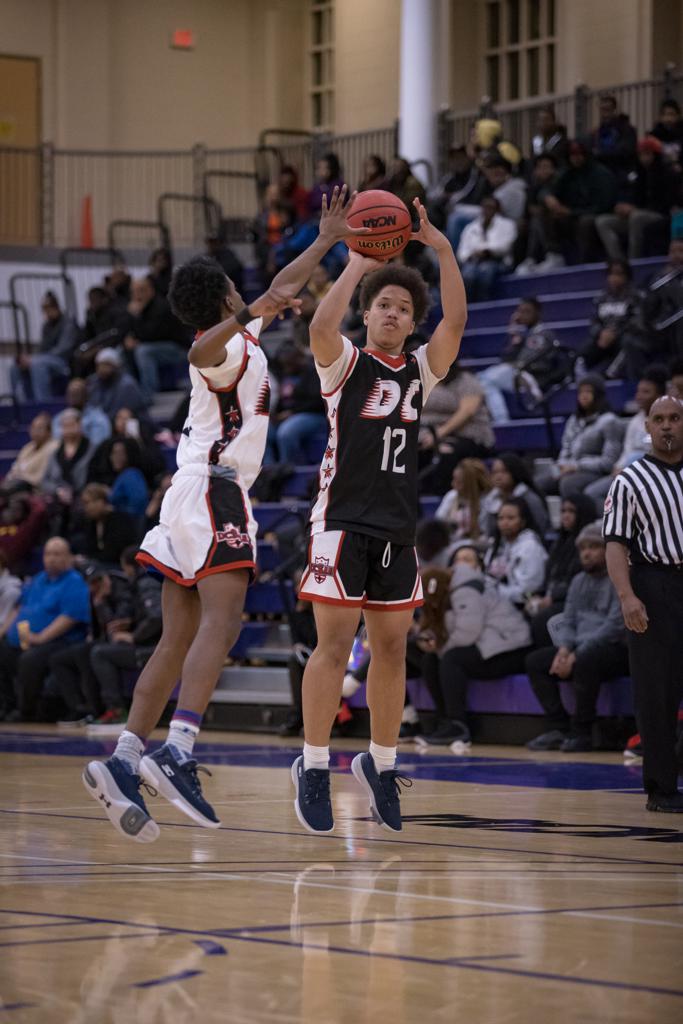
182, 39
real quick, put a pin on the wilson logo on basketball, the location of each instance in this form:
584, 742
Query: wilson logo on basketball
379, 222
232, 536
380, 244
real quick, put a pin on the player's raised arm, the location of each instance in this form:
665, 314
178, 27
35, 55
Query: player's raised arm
209, 349
326, 339
444, 344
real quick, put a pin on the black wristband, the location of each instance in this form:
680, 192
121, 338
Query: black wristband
244, 317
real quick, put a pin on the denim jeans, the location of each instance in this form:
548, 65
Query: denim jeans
495, 380
480, 279
293, 433
44, 369
150, 356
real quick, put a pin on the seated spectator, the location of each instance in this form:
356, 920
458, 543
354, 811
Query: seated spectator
105, 325
462, 508
618, 343
517, 557
455, 200
663, 305
156, 337
510, 191
129, 491
315, 291
484, 250
110, 389
550, 138
161, 270
95, 423
145, 451
487, 142
106, 532
35, 376
31, 463
117, 285
543, 180
511, 479
403, 183
10, 589
433, 544
591, 650
652, 385
669, 131
75, 682
374, 174
614, 140
299, 411
582, 191
477, 634
130, 645
644, 201
22, 526
455, 425
530, 361
53, 612
153, 510
328, 176
67, 469
292, 196
591, 441
219, 250
577, 511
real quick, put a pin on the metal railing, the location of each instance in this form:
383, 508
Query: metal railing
42, 190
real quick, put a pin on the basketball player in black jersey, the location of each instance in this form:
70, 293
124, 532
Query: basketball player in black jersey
361, 554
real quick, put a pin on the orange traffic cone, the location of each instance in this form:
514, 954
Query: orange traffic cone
87, 241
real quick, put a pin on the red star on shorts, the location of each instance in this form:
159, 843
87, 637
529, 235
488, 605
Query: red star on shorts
329, 452
232, 434
327, 472
234, 415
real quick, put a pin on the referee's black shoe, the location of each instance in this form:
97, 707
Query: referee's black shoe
669, 803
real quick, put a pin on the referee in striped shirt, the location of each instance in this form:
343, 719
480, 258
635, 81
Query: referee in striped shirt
643, 528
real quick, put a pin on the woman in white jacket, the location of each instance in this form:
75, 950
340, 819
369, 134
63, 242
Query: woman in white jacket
476, 634
517, 559
485, 246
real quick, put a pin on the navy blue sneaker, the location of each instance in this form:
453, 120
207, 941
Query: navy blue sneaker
382, 789
312, 805
178, 782
116, 788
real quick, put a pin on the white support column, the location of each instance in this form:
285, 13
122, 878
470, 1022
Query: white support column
420, 52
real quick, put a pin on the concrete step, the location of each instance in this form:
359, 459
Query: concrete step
265, 685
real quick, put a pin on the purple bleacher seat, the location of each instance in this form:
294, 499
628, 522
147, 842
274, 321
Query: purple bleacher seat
267, 556
270, 514
252, 634
266, 598
299, 483
528, 434
488, 341
513, 695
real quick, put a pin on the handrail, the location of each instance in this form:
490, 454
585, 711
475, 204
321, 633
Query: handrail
164, 233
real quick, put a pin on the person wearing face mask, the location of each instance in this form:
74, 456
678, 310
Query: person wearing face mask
469, 630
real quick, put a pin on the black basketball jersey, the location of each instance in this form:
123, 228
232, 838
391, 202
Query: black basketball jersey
368, 476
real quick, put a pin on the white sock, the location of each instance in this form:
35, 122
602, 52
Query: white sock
181, 736
130, 749
316, 757
384, 757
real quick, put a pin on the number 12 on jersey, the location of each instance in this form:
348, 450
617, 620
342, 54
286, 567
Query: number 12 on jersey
398, 437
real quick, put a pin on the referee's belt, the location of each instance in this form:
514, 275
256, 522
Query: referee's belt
672, 567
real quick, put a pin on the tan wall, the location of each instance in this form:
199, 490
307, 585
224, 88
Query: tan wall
366, 63
111, 80
466, 66
667, 33
603, 42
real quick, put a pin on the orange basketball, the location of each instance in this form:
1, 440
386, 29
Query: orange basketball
387, 217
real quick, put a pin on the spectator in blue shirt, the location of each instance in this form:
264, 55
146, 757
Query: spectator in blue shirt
129, 492
53, 612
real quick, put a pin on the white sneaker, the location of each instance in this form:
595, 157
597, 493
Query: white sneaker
553, 261
350, 685
526, 267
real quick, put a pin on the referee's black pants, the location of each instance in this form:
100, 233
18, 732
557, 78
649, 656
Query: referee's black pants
656, 658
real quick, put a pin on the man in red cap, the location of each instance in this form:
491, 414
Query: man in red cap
644, 202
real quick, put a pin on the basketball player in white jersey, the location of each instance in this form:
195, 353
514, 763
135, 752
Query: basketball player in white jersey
205, 543
362, 550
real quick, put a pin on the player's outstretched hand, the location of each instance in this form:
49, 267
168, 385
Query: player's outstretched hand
427, 233
333, 215
366, 262
274, 302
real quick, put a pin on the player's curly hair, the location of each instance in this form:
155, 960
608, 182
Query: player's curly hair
403, 277
197, 291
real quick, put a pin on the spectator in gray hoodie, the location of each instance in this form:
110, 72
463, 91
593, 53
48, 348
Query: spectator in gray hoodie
475, 632
590, 648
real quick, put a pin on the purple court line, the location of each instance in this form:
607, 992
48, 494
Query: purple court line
82, 938
404, 958
368, 839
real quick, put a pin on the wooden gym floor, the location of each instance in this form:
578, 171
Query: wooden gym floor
528, 888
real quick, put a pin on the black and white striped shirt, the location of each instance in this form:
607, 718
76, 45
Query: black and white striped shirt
644, 511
